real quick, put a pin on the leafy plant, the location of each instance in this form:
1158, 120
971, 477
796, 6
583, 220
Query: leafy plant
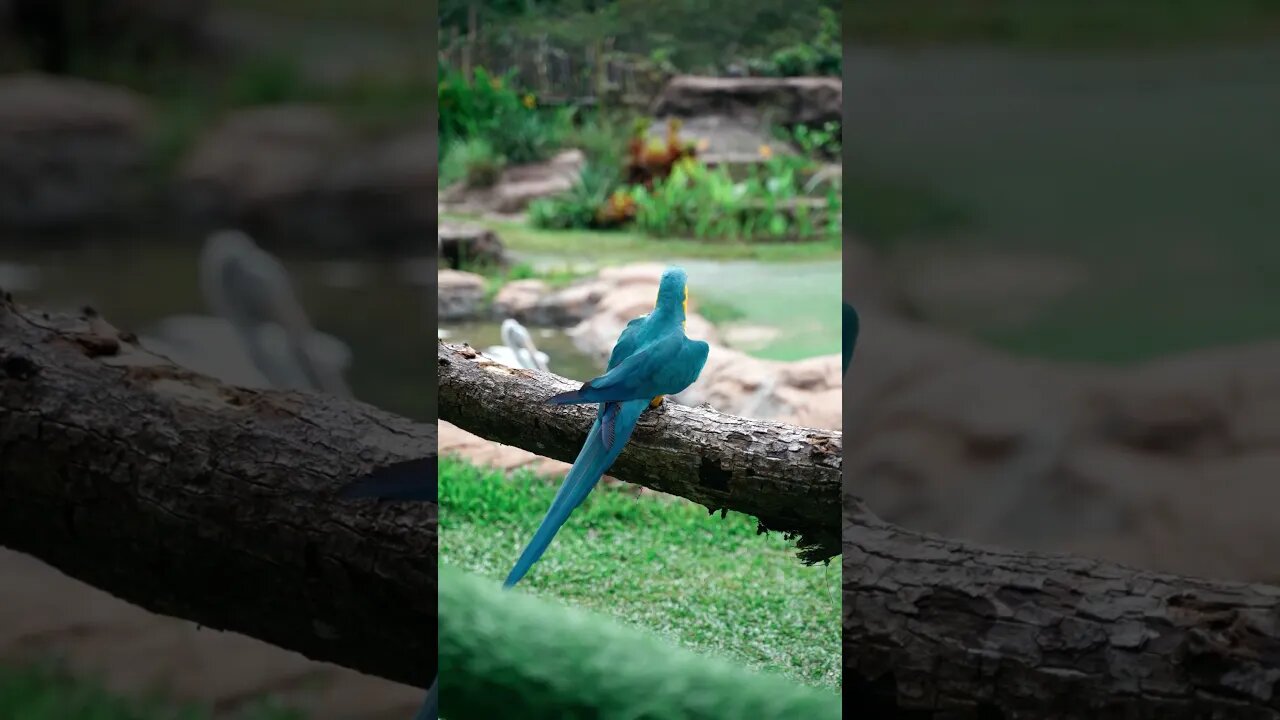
473, 161
487, 106
819, 142
697, 201
581, 206
822, 56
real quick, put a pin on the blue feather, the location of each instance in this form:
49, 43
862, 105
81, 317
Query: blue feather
592, 463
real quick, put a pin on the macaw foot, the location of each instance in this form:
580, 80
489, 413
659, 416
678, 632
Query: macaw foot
655, 402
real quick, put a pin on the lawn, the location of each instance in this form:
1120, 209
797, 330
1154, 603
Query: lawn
626, 246
706, 583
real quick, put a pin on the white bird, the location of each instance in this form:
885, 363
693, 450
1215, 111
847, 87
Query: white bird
261, 336
518, 349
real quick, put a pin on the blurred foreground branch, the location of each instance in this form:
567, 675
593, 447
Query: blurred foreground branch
787, 477
213, 503
948, 629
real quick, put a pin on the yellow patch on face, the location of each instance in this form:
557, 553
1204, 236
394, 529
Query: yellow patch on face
685, 307
655, 402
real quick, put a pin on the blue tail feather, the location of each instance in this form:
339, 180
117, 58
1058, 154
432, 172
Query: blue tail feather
592, 463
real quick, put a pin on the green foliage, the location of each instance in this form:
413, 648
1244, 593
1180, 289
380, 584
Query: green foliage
691, 36
819, 142
578, 208
822, 55
630, 557
488, 107
473, 161
696, 201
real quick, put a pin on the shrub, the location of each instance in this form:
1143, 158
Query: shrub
472, 161
488, 107
580, 207
696, 201
823, 56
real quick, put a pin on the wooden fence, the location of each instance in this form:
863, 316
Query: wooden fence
594, 74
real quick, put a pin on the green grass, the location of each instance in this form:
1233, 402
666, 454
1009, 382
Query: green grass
47, 693
622, 246
706, 583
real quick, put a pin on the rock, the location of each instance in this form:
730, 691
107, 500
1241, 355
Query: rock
378, 194
518, 186
780, 101
983, 291
72, 153
1163, 465
460, 295
294, 173
520, 299
462, 244
722, 140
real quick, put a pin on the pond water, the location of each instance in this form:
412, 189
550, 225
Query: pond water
371, 304
773, 310
563, 357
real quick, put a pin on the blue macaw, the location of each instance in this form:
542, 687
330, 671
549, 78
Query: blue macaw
850, 336
652, 358
409, 480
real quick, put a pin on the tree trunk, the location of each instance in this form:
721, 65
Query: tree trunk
787, 477
213, 503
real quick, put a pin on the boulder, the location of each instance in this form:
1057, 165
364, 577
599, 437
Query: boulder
462, 244
779, 101
1163, 465
295, 173
72, 153
460, 295
518, 186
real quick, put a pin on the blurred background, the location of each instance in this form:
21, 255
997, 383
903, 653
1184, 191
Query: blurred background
1061, 228
585, 146
130, 130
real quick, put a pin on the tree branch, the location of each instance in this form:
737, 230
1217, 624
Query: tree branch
787, 477
950, 630
213, 503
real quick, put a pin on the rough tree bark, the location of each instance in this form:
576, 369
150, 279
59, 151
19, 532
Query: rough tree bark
213, 503
935, 628
787, 477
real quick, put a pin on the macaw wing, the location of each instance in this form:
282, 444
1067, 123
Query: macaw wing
628, 342
638, 377
683, 371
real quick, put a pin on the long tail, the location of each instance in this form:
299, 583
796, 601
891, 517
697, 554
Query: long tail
430, 709
592, 463
414, 480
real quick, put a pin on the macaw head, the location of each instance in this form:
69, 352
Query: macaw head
673, 291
